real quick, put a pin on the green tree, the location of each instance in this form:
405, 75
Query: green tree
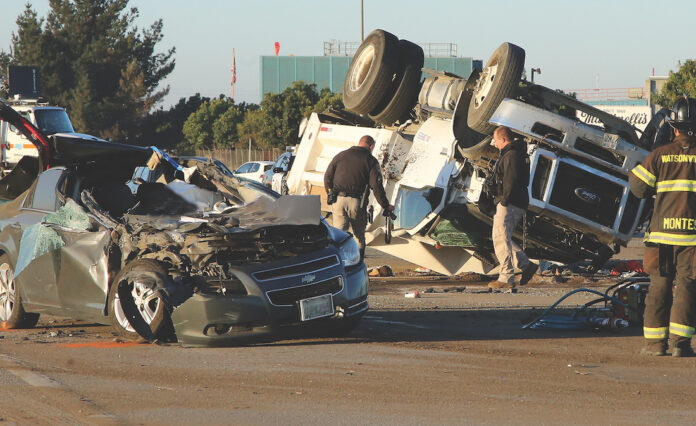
198, 128
327, 100
256, 127
277, 122
682, 82
164, 128
95, 62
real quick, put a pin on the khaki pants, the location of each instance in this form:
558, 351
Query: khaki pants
347, 214
509, 254
670, 307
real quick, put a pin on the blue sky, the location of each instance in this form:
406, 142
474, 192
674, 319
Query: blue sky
577, 44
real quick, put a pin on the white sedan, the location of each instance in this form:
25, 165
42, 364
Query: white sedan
253, 170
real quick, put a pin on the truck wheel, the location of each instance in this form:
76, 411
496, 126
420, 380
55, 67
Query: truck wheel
12, 313
396, 103
657, 131
499, 80
371, 72
140, 278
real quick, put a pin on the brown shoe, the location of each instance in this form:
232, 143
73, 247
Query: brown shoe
499, 285
528, 273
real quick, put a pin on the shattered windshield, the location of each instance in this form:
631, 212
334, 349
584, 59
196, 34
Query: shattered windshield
52, 121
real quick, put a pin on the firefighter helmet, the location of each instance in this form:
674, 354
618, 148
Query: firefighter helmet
683, 116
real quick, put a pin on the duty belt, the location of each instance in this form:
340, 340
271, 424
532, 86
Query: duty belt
345, 194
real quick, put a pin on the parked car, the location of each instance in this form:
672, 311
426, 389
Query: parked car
276, 177
253, 170
434, 147
191, 254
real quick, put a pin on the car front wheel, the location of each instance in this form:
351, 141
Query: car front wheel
139, 281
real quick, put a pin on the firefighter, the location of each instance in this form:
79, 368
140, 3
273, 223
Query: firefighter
669, 172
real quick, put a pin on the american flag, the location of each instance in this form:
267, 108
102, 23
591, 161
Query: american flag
234, 72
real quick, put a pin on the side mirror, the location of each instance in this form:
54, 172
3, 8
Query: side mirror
278, 170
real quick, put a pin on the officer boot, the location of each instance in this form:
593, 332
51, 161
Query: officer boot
654, 347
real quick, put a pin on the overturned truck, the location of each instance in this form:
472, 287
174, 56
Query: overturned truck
434, 144
165, 249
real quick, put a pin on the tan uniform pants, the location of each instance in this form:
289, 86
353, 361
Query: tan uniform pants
347, 214
509, 254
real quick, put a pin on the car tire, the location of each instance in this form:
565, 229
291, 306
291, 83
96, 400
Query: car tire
371, 72
140, 276
396, 103
12, 314
499, 80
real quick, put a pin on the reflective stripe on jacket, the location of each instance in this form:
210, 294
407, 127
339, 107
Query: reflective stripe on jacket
669, 172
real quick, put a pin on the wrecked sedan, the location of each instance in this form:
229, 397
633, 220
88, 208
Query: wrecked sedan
166, 250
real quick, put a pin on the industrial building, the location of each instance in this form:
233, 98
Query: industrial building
329, 70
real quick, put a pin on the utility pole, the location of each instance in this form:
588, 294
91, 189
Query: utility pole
362, 22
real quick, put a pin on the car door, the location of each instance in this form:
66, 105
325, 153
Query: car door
62, 262
35, 268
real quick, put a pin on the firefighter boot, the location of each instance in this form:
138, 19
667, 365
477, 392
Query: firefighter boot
654, 348
682, 349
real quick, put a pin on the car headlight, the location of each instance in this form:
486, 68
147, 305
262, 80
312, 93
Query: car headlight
349, 252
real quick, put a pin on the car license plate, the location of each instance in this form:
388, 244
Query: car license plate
316, 307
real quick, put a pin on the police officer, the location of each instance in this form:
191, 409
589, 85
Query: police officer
348, 180
669, 172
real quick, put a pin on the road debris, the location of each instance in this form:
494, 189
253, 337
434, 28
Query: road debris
381, 271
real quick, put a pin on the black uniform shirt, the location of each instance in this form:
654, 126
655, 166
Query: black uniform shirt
350, 171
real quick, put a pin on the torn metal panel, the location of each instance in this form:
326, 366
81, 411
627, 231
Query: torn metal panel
82, 275
203, 199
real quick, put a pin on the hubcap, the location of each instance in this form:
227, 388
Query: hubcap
146, 301
362, 68
7, 291
484, 84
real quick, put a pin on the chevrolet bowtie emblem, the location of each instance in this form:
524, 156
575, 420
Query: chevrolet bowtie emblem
309, 278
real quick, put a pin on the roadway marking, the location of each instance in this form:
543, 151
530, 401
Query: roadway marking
30, 377
403, 324
35, 379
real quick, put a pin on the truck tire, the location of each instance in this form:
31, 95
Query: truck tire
371, 72
499, 80
657, 131
396, 103
12, 314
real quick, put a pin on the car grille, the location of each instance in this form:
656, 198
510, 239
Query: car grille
290, 296
297, 269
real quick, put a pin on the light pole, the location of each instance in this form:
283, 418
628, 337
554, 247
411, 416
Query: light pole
362, 22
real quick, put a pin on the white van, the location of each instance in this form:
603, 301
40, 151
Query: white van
49, 119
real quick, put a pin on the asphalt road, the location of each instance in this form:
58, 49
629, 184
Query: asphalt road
443, 358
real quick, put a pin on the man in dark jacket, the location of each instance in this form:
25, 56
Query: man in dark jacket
512, 198
669, 173
348, 178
